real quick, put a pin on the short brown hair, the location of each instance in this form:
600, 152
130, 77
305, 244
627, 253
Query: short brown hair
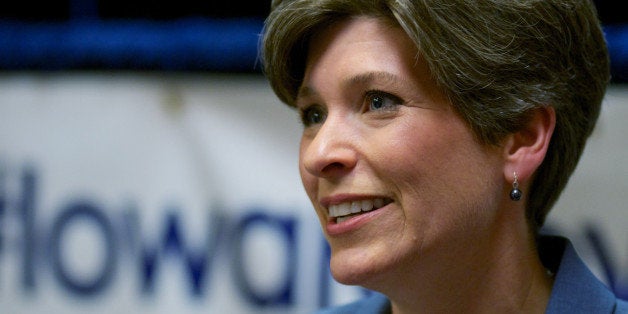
495, 59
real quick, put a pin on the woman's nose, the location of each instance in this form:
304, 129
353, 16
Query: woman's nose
332, 151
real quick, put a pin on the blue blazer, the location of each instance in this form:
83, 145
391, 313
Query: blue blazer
575, 290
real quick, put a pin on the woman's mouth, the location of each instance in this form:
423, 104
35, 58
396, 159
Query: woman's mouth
343, 211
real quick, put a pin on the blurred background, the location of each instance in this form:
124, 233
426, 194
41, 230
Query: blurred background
146, 166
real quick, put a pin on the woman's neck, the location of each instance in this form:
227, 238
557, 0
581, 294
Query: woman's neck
498, 272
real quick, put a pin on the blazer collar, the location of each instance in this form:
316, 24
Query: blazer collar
575, 286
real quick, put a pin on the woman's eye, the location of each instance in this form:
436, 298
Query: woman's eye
313, 115
377, 100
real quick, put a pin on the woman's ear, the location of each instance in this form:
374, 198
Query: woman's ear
525, 149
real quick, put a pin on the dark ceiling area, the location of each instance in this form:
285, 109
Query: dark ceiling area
184, 35
610, 12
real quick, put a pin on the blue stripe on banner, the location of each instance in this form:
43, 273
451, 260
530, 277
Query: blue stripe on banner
617, 41
185, 44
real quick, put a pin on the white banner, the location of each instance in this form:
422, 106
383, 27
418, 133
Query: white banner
130, 193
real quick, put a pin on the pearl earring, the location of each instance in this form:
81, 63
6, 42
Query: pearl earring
515, 193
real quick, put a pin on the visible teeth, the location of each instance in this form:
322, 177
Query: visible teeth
356, 207
340, 209
379, 202
347, 208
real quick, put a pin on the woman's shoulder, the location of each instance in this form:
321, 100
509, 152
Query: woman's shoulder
374, 303
575, 288
621, 307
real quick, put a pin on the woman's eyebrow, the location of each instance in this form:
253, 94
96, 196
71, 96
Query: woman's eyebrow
366, 78
306, 91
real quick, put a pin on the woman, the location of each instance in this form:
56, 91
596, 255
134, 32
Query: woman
437, 136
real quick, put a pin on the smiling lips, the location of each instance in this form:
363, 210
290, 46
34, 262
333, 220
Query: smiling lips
346, 210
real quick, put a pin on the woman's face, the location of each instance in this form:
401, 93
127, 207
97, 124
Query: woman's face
395, 175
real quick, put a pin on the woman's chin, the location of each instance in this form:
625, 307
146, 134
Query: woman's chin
351, 270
